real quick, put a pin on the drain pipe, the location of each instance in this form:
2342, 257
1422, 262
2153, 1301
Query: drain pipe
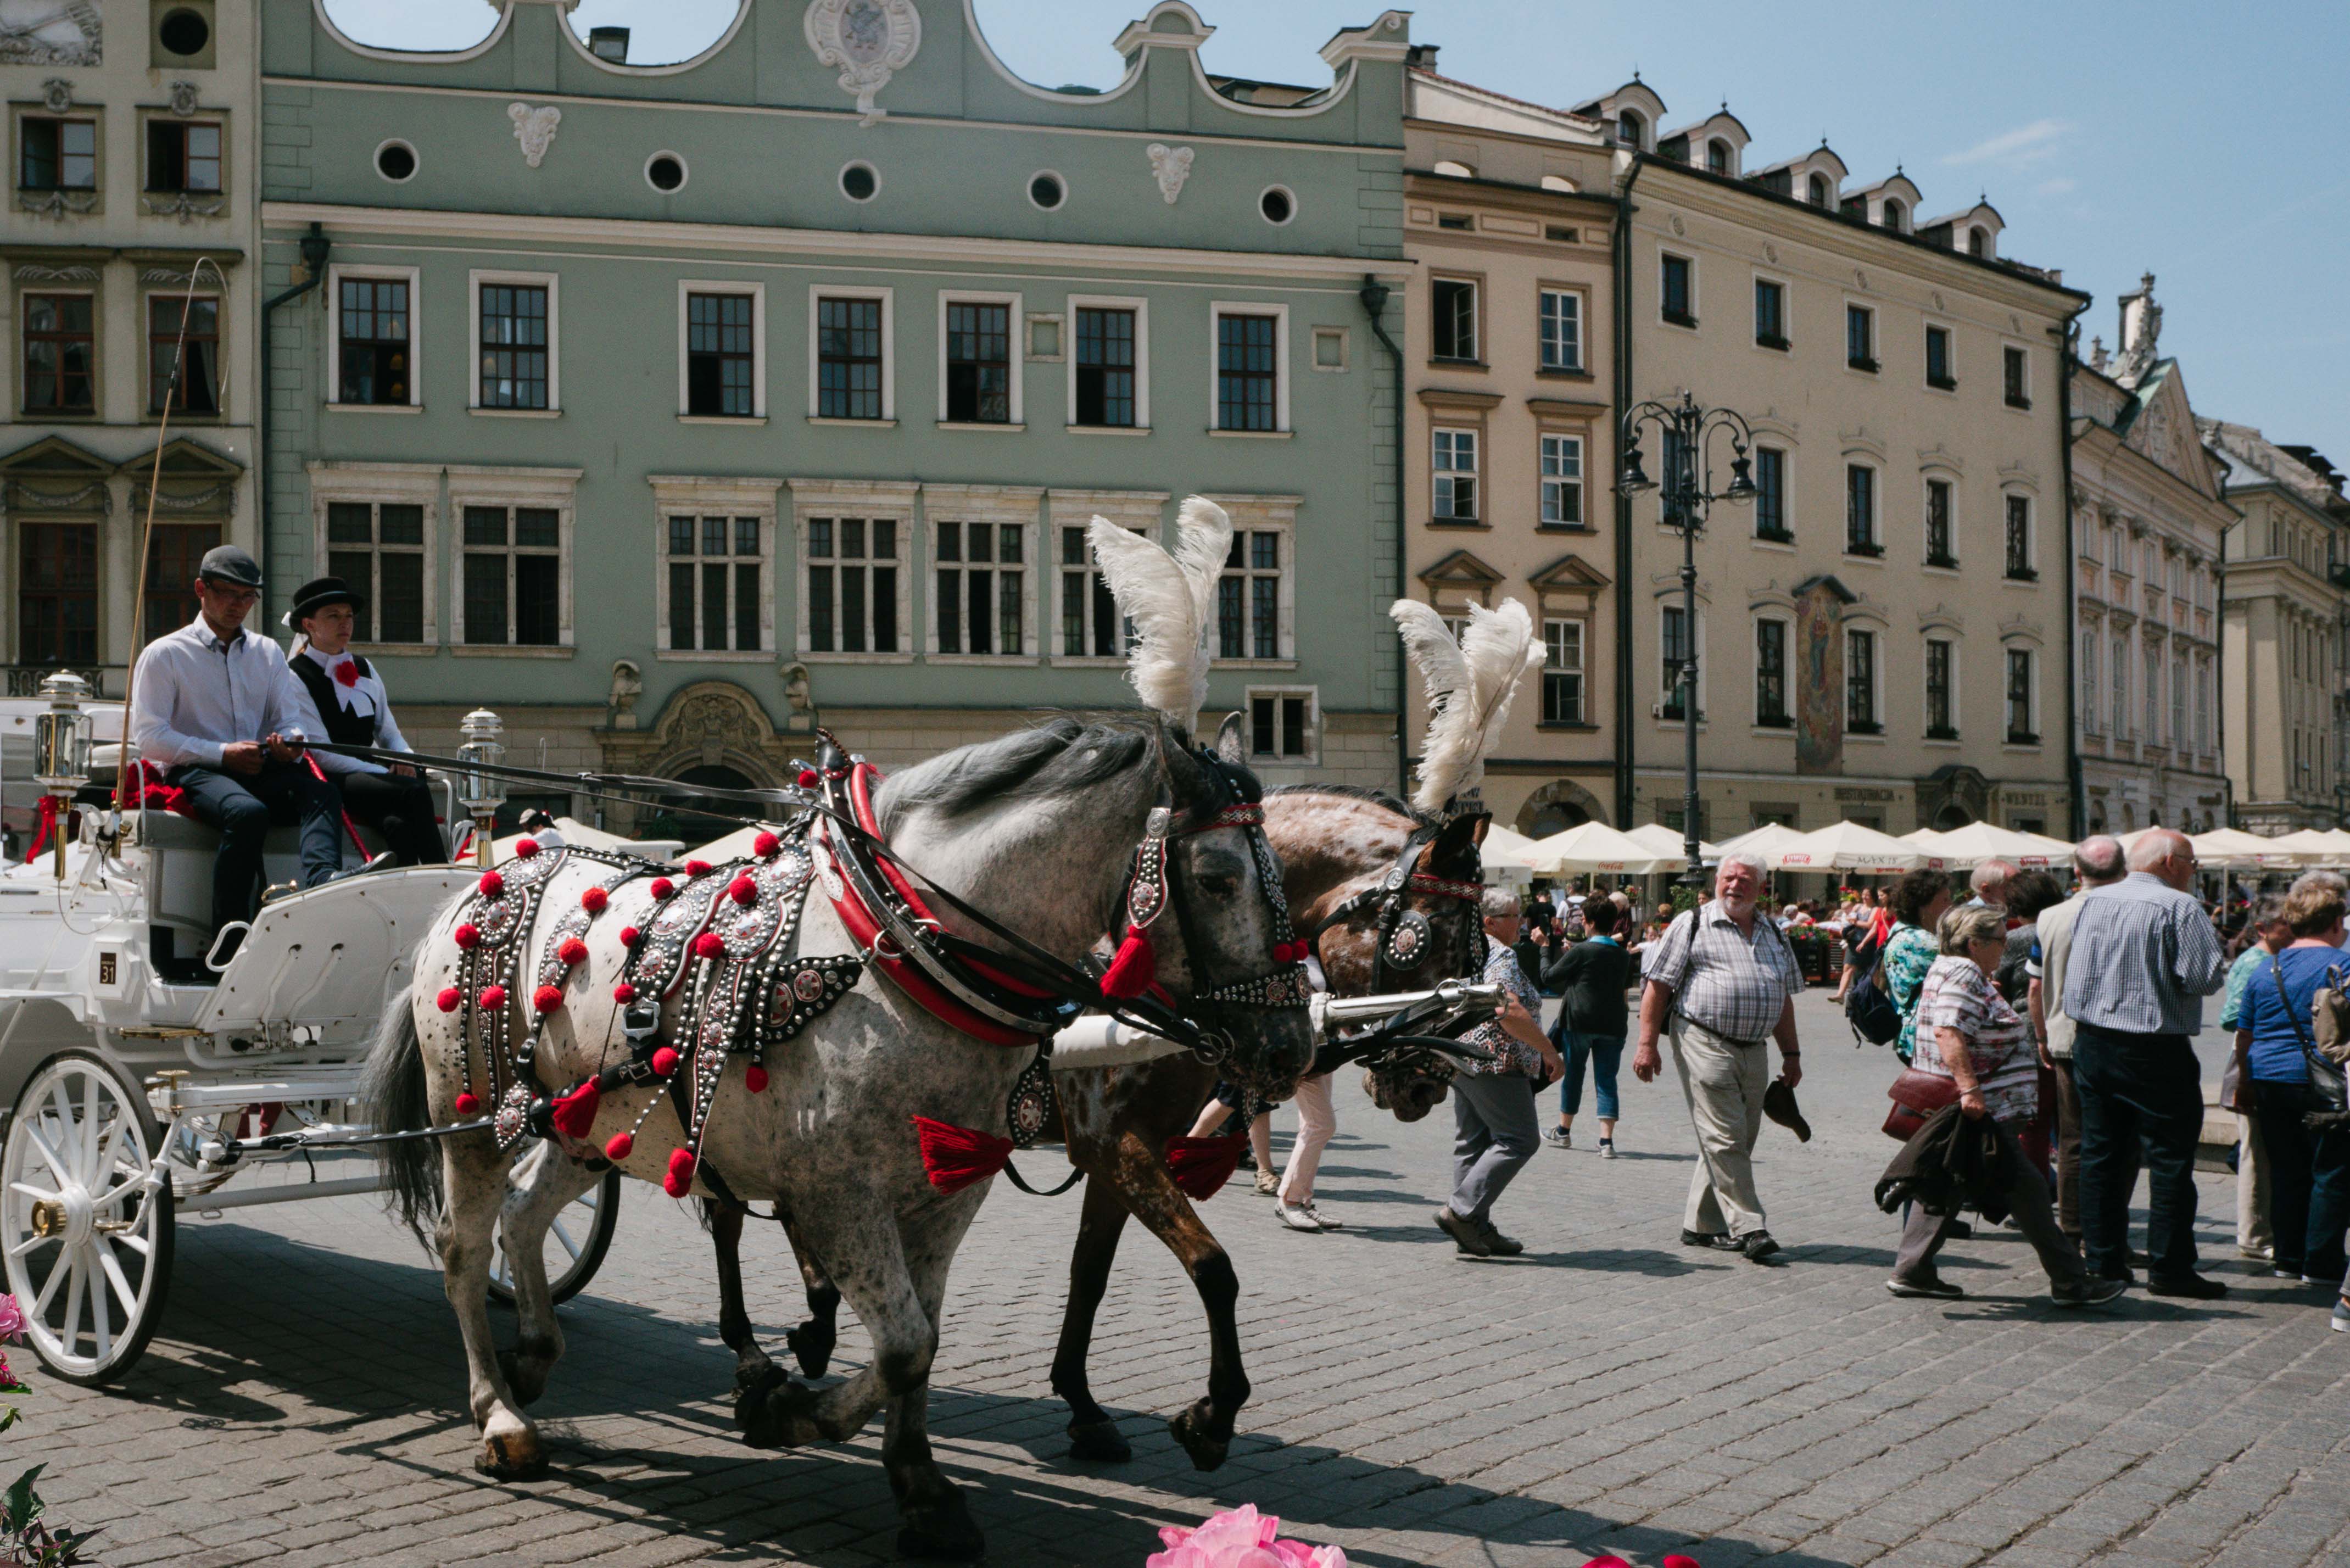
1621, 312
2067, 334
314, 246
1374, 296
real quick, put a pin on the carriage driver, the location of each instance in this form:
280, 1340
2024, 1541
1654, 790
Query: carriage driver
215, 706
353, 710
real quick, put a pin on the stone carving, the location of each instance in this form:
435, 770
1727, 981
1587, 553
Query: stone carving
2141, 326
799, 699
34, 272
57, 95
1170, 166
56, 203
184, 98
1769, 253
183, 205
870, 40
628, 685
535, 128
46, 33
713, 725
1679, 227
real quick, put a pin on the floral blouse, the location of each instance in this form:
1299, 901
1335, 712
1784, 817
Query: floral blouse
1907, 957
1957, 995
1510, 1054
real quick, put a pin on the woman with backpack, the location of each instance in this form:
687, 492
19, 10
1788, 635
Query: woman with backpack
1919, 901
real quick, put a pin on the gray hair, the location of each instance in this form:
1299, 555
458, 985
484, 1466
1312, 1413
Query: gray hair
1497, 903
2155, 845
2098, 858
1746, 858
2333, 881
2269, 909
1990, 877
1971, 923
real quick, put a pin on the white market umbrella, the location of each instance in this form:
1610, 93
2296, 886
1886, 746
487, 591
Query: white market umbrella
1596, 847
1658, 839
1766, 841
2232, 847
2309, 847
1846, 846
1980, 841
1505, 850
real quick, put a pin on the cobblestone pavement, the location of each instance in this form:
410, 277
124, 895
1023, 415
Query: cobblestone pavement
1608, 1391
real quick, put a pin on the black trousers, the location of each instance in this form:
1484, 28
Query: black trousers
399, 808
2309, 1182
241, 807
2138, 1092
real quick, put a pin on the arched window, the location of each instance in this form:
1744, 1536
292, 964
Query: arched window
1818, 187
1716, 157
1978, 243
1452, 169
1628, 128
1894, 215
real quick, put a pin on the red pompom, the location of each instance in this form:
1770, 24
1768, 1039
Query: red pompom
493, 998
743, 892
450, 998
594, 899
697, 867
467, 936
630, 935
680, 1179
526, 847
1678, 1560
572, 951
624, 994
661, 887
809, 779
664, 1062
573, 1114
710, 945
619, 1147
1131, 970
467, 1104
547, 998
766, 847
491, 884
755, 1080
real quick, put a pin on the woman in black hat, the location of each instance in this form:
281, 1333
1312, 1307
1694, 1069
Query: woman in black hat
353, 710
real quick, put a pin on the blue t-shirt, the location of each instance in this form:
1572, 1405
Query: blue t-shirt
2277, 1055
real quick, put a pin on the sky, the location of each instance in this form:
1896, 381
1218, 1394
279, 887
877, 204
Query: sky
2201, 145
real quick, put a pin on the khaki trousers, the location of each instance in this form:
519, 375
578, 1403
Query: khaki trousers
2252, 1185
1723, 1084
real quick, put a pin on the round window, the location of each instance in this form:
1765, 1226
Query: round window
395, 161
184, 32
858, 182
1047, 191
665, 171
1277, 204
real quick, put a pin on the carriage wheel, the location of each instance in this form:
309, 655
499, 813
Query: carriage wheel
575, 1242
87, 1248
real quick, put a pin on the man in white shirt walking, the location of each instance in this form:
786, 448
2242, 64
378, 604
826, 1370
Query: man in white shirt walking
215, 706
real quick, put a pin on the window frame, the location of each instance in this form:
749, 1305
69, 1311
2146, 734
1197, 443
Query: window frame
887, 298
2093, 718
1543, 292
1014, 345
1002, 506
2016, 354
686, 288
1670, 604
2011, 501
1948, 484
1948, 380
1785, 536
1869, 364
1784, 722
377, 485
2029, 737
205, 119
1779, 342
1580, 670
1873, 547
92, 528
1475, 283
1950, 732
474, 280
1544, 479
866, 499
91, 115
337, 272
1217, 310
509, 488
701, 496
1141, 307
1873, 726
1275, 514
1687, 319
147, 301
1436, 477
1311, 696
22, 331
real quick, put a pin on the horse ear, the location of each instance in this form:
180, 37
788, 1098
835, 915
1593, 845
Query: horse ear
1232, 740
1452, 854
1482, 823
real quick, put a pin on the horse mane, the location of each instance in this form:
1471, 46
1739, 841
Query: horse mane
1377, 797
1061, 757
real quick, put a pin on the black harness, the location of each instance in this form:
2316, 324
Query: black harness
1407, 941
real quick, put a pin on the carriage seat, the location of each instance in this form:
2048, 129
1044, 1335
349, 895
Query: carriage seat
179, 852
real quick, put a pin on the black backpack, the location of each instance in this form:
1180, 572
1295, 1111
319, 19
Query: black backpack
1867, 1006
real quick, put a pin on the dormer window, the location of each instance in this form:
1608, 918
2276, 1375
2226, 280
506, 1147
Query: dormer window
1895, 218
1978, 243
1716, 157
1817, 187
1629, 127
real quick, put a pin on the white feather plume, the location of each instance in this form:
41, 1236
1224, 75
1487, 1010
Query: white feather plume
1469, 685
1169, 598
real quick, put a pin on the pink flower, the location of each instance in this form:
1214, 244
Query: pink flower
12, 1321
1240, 1538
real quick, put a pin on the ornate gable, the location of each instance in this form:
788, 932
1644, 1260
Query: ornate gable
53, 474
1460, 577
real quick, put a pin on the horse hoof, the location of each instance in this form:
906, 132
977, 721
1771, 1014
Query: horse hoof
511, 1456
941, 1529
774, 1412
813, 1346
1098, 1442
752, 1370
1207, 1451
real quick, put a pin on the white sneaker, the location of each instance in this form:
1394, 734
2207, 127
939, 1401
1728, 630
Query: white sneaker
1323, 1220
1606, 1149
1300, 1218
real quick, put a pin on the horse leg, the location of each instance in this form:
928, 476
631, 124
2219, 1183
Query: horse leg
937, 1523
1148, 1191
1092, 1433
812, 1341
530, 1206
474, 1176
752, 1364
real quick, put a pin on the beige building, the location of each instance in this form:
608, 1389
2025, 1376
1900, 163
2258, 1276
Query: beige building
2282, 640
1508, 431
2148, 524
1881, 634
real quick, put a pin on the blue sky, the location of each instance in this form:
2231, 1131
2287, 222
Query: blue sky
2115, 139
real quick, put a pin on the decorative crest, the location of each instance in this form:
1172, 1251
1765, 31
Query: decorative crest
870, 40
1170, 166
535, 128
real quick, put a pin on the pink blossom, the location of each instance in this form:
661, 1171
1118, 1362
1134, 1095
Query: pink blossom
1240, 1538
12, 1321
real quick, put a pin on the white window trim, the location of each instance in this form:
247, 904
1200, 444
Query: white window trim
1475, 284
336, 273
1582, 668
855, 498
1011, 505
2093, 719
1786, 312
1015, 345
1476, 471
1141, 308
1582, 297
1933, 324
1785, 447
2026, 349
1582, 481
552, 284
1940, 633
1926, 483
1877, 511
707, 496
1787, 674
401, 484
1262, 515
1875, 337
887, 296
1312, 695
1217, 310
1688, 255
1143, 510
1875, 635
2007, 497
758, 293
473, 485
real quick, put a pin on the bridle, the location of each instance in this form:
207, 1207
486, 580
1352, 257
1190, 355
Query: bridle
1406, 942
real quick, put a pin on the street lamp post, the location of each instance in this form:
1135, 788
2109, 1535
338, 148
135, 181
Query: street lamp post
1686, 491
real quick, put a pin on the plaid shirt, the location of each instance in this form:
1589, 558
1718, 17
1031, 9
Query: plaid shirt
1722, 980
2144, 958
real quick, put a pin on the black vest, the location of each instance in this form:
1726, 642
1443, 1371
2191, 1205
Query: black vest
344, 727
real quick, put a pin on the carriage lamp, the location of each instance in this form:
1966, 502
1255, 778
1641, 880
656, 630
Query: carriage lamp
61, 753
481, 791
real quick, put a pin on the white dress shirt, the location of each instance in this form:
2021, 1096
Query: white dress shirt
195, 694
364, 696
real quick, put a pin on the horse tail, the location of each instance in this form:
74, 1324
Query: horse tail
394, 1093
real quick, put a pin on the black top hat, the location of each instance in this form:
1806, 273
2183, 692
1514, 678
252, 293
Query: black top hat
316, 594
228, 564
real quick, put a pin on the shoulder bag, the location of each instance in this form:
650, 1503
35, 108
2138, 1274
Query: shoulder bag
2328, 1095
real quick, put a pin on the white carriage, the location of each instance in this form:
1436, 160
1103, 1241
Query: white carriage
136, 1082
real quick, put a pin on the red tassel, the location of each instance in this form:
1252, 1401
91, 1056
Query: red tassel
710, 945
493, 998
491, 884
619, 1147
572, 951
661, 887
467, 1104
664, 1062
1202, 1165
624, 994
743, 892
697, 867
547, 998
574, 1113
526, 847
1131, 971
680, 1179
809, 778
467, 936
594, 899
954, 1158
755, 1080
450, 998
630, 935
766, 847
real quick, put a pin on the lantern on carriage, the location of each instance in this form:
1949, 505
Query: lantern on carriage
61, 753
480, 791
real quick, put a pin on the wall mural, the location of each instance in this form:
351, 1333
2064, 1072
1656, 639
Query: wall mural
1819, 681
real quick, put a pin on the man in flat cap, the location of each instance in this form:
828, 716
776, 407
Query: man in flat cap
215, 706
349, 707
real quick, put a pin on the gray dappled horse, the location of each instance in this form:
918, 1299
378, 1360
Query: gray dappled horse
1039, 830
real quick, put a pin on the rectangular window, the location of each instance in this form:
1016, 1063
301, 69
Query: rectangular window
2093, 718
1562, 482
852, 584
1452, 320
1771, 496
2152, 734
195, 386
2178, 703
2019, 539
1105, 368
1939, 373
1248, 597
57, 154
1771, 674
373, 352
2120, 669
1248, 373
849, 359
979, 363
982, 588
1281, 727
184, 156
174, 553
57, 594
1676, 651
1860, 511
1769, 313
1453, 468
2203, 706
714, 584
1561, 325
514, 346
2019, 387
1860, 337
718, 358
2019, 732
1940, 714
379, 549
512, 575
59, 353
1561, 672
1674, 291
1860, 682
1091, 627
1941, 551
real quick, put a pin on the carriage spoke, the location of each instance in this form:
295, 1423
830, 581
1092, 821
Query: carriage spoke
564, 1236
28, 1244
101, 1320
38, 1194
136, 1244
104, 1166
114, 1194
50, 1156
90, 1125
58, 1274
71, 1332
111, 1266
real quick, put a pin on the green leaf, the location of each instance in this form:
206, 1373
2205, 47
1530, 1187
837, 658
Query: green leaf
20, 1504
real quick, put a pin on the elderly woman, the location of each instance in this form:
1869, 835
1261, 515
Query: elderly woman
1495, 1130
1969, 1034
1918, 901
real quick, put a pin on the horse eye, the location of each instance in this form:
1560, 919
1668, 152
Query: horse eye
1221, 885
